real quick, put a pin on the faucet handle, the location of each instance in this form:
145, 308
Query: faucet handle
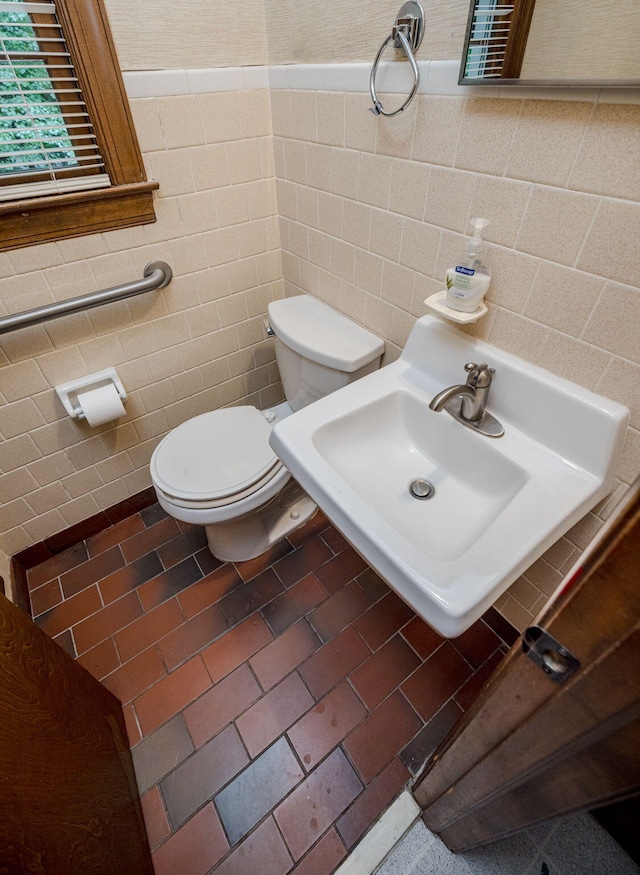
479, 375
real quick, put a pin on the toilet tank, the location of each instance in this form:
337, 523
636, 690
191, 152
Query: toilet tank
319, 350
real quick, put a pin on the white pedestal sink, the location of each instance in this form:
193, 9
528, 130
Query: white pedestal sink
498, 503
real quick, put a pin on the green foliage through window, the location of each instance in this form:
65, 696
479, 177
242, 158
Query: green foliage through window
33, 133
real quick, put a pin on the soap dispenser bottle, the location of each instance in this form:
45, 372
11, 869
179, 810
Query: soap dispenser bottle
469, 276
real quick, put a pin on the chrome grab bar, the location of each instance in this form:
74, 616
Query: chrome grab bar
157, 274
407, 35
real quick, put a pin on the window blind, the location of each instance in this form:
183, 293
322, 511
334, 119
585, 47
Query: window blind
488, 40
47, 142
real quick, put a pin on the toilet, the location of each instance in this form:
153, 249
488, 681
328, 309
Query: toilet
217, 470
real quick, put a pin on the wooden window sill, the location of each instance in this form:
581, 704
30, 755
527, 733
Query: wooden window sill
40, 220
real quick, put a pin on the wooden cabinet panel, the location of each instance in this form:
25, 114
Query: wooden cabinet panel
68, 797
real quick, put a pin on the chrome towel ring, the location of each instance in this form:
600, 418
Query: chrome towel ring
406, 34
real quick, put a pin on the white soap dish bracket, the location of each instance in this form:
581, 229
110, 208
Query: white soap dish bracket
438, 304
68, 392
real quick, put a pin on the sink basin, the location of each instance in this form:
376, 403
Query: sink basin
472, 482
497, 504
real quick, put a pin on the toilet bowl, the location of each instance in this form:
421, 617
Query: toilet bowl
218, 470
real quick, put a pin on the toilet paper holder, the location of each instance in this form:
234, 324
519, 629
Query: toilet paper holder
68, 392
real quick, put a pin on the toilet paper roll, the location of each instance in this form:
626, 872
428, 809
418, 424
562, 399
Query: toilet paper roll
101, 405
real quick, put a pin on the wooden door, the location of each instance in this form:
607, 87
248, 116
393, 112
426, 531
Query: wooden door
531, 749
68, 798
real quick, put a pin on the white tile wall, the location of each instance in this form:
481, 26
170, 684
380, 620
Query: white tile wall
368, 211
191, 347
557, 178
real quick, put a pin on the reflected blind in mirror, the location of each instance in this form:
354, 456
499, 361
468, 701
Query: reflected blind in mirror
488, 40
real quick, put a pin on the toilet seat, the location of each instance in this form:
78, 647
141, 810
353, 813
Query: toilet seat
217, 459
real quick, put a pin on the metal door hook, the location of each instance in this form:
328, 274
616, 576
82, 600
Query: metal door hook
406, 34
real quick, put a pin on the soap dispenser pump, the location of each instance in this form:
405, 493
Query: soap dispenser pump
468, 277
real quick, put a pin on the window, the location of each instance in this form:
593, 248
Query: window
47, 143
69, 159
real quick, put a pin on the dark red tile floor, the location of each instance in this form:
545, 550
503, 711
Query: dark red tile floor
275, 707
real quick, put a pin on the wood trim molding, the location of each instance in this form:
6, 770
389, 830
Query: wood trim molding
517, 42
93, 53
24, 223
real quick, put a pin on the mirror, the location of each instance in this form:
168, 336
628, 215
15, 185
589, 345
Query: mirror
552, 42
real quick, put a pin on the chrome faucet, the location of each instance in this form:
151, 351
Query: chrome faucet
472, 395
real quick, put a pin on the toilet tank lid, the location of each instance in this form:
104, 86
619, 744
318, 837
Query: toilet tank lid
323, 335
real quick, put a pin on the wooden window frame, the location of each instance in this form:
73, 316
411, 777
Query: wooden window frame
129, 199
517, 40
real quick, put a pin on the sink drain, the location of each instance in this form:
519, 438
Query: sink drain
422, 489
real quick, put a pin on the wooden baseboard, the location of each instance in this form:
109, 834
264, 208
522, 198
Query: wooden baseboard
37, 553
